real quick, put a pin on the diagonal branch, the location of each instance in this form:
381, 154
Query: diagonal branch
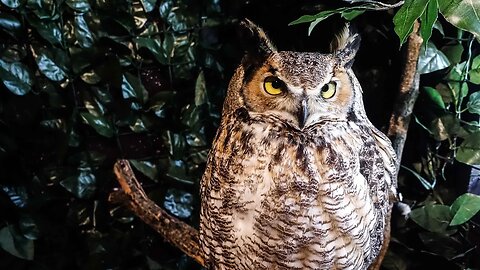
175, 231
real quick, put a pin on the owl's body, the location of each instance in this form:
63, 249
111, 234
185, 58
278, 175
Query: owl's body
295, 180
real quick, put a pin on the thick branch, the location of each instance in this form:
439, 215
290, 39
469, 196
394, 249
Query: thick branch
402, 110
132, 195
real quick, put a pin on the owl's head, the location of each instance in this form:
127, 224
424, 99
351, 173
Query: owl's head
301, 88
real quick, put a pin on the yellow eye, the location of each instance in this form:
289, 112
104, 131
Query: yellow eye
273, 85
329, 90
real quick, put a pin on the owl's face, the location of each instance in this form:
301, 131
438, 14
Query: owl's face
300, 88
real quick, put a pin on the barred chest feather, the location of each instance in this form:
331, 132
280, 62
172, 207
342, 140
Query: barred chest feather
278, 198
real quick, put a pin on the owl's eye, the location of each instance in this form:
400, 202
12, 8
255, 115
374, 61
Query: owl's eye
273, 85
329, 90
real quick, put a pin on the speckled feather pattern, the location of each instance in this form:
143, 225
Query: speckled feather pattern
276, 196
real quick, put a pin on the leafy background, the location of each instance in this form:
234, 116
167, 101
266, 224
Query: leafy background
87, 82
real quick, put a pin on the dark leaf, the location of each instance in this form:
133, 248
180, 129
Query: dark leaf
469, 150
154, 46
78, 5
17, 195
81, 185
132, 87
14, 243
91, 77
99, 123
47, 65
464, 208
148, 168
10, 24
49, 30
12, 3
82, 32
179, 203
453, 51
433, 217
431, 59
475, 71
149, 5
16, 77
28, 227
446, 126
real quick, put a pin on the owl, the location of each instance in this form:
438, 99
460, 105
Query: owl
298, 177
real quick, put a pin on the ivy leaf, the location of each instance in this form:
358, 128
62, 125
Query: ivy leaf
473, 104
434, 96
474, 73
101, 125
453, 51
431, 59
406, 16
16, 77
16, 244
433, 217
462, 14
47, 65
81, 185
469, 151
464, 208
428, 19
82, 32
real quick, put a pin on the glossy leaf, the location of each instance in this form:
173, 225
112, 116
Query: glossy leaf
49, 30
473, 104
434, 217
154, 46
14, 243
47, 66
428, 19
149, 5
434, 96
469, 151
101, 125
148, 168
179, 203
463, 14
81, 185
28, 227
464, 208
132, 87
10, 24
82, 32
12, 3
16, 77
78, 5
406, 16
431, 59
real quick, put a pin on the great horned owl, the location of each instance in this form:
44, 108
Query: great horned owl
298, 177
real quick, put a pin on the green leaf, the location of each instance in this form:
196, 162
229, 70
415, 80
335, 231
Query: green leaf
469, 151
99, 123
464, 208
431, 59
49, 30
453, 51
352, 14
148, 168
78, 5
473, 104
434, 96
425, 183
406, 16
433, 217
132, 87
11, 24
81, 185
12, 3
16, 77
154, 46
428, 19
322, 15
474, 73
82, 32
463, 14
14, 243
47, 65
148, 5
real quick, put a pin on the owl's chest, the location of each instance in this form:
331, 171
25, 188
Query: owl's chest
292, 198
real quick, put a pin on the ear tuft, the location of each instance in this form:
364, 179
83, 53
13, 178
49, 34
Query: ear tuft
254, 39
346, 44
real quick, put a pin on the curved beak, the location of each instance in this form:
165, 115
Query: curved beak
302, 114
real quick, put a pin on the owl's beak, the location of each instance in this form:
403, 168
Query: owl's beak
302, 114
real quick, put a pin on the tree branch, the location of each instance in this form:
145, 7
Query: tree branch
409, 89
175, 231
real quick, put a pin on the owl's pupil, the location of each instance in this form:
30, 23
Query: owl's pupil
276, 84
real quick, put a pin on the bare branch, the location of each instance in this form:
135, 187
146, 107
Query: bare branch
175, 231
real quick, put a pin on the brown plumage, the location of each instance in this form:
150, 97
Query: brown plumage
298, 177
